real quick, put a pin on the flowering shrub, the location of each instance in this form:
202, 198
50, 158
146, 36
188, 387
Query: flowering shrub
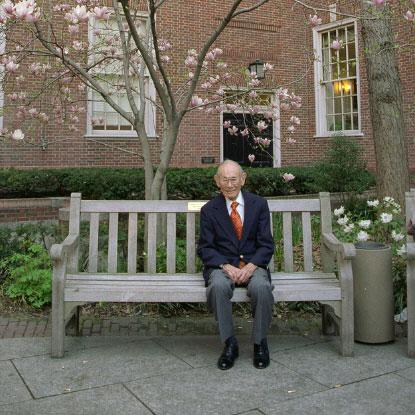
382, 223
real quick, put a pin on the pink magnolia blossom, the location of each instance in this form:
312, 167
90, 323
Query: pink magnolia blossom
26, 10
17, 135
227, 124
268, 115
210, 56
378, 3
165, 58
205, 85
244, 132
253, 94
8, 8
102, 13
336, 44
257, 140
295, 120
314, 20
221, 65
285, 106
163, 45
192, 52
196, 101
191, 75
409, 16
214, 79
291, 128
226, 76
33, 112
73, 28
291, 140
13, 96
233, 130
190, 61
43, 117
261, 125
288, 177
61, 7
254, 83
77, 45
251, 157
11, 66
265, 142
232, 107
217, 52
268, 66
220, 92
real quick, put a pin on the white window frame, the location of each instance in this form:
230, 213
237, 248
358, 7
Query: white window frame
276, 131
150, 109
319, 90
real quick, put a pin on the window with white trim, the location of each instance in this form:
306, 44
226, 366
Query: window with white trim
337, 80
2, 50
103, 120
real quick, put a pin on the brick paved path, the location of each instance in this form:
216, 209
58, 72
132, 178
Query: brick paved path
27, 326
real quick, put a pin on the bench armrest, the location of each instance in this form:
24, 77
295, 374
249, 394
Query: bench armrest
410, 251
59, 251
346, 250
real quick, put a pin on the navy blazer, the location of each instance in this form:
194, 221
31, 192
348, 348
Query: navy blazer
218, 243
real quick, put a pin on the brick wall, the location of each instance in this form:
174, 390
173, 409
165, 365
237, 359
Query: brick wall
276, 33
23, 210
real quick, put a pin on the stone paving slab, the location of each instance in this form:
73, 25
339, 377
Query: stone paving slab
408, 374
86, 368
208, 390
108, 400
324, 364
12, 388
383, 395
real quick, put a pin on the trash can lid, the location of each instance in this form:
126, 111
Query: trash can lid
370, 245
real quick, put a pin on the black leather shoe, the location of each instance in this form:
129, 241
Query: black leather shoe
228, 356
261, 355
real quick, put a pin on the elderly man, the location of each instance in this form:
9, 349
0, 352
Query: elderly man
236, 246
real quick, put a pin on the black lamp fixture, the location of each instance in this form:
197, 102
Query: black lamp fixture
258, 68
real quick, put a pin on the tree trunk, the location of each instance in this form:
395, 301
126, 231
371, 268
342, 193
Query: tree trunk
386, 106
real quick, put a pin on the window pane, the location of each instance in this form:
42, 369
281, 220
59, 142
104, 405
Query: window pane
333, 36
329, 90
329, 106
338, 126
351, 50
334, 71
347, 122
338, 105
337, 88
343, 69
342, 34
352, 68
355, 121
330, 123
354, 99
350, 33
342, 54
325, 40
347, 107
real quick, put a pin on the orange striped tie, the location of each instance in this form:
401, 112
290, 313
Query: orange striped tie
236, 220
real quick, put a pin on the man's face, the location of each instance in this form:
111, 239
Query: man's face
230, 179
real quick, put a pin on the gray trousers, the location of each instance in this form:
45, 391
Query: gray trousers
220, 291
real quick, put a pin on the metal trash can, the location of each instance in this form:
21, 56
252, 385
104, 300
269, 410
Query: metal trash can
373, 293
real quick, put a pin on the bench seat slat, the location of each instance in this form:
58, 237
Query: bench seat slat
190, 294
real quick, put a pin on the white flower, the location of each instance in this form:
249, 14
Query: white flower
388, 199
343, 221
339, 211
397, 236
348, 228
386, 217
18, 135
373, 203
362, 236
365, 223
402, 250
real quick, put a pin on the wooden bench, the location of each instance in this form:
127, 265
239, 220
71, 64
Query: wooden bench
72, 288
410, 279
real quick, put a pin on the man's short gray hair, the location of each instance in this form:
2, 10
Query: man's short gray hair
229, 161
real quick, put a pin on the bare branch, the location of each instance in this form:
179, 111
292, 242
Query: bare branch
322, 9
250, 9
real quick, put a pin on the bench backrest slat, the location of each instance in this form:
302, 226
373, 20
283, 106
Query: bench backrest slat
410, 210
294, 205
307, 241
93, 243
74, 223
152, 242
171, 243
271, 263
190, 243
113, 242
288, 241
132, 243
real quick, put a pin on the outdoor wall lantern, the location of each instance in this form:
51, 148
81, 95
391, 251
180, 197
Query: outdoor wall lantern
258, 68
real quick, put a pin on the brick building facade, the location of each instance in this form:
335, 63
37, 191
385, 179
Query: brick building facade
276, 33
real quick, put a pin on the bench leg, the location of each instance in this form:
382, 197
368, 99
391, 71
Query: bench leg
58, 312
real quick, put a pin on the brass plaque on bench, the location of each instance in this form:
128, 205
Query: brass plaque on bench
195, 206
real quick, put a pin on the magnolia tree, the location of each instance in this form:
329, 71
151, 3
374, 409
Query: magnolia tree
128, 57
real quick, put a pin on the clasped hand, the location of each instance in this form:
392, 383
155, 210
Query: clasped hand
239, 275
